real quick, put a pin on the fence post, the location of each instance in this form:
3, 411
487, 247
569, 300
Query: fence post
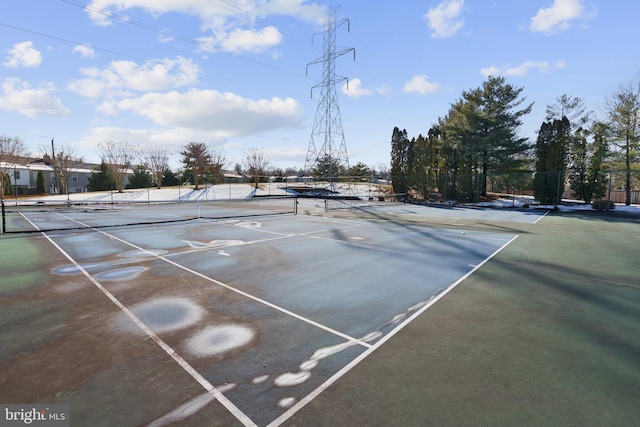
446, 185
4, 223
558, 195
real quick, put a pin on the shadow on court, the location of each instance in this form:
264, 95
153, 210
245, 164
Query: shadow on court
544, 334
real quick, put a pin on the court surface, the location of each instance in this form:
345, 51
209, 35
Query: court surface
237, 320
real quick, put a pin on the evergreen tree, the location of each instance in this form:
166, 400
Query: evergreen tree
410, 165
101, 179
421, 166
587, 177
496, 119
6, 184
551, 161
447, 161
359, 172
196, 159
579, 160
40, 185
140, 178
399, 148
328, 168
599, 153
482, 134
169, 178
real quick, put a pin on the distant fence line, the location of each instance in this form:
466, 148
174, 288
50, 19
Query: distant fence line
469, 187
462, 186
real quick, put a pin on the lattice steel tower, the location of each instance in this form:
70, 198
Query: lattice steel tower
327, 130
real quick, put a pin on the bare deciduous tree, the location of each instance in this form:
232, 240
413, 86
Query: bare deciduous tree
623, 108
119, 157
256, 162
218, 162
11, 149
65, 161
156, 160
572, 107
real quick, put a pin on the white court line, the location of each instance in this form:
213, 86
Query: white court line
536, 221
315, 393
241, 416
231, 288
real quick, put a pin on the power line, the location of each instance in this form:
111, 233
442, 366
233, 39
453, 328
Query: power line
173, 35
230, 6
136, 58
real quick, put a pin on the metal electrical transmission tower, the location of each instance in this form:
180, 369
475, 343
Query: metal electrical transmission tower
327, 131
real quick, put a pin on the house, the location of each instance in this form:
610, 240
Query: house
24, 176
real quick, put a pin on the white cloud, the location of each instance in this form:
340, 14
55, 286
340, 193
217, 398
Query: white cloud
85, 51
23, 54
122, 78
420, 83
226, 26
523, 69
19, 96
354, 89
300, 9
444, 19
556, 17
239, 40
221, 115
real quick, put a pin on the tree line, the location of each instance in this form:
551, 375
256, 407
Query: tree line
200, 165
478, 141
127, 165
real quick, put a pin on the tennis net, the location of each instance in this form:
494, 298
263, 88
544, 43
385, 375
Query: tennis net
24, 217
334, 203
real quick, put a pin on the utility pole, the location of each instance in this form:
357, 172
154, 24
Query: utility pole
53, 165
55, 168
327, 132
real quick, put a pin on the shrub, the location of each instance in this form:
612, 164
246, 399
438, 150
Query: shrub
603, 205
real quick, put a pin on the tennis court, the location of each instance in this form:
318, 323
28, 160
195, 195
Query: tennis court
264, 310
246, 320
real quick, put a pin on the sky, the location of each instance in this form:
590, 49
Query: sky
238, 74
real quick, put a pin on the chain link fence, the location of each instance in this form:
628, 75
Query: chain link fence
474, 188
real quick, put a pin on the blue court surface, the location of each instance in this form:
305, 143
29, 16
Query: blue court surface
265, 312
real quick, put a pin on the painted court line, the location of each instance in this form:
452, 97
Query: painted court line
545, 214
315, 393
241, 416
231, 288
208, 386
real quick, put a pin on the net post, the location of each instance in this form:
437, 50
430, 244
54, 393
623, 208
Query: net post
4, 222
